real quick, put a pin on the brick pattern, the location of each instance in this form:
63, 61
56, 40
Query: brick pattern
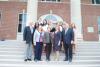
60, 9
10, 10
86, 1
90, 14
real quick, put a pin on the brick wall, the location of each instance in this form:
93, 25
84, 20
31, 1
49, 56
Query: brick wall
90, 14
60, 9
10, 10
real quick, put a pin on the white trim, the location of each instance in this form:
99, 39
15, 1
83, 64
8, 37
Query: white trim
23, 19
54, 2
4, 0
90, 4
94, 1
51, 1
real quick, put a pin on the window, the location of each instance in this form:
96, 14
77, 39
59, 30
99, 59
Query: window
96, 1
52, 0
99, 24
22, 22
0, 18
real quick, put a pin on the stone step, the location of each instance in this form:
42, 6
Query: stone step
12, 54
76, 62
23, 50
52, 57
80, 56
77, 54
74, 58
47, 65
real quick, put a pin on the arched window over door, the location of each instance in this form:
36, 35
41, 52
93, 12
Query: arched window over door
52, 17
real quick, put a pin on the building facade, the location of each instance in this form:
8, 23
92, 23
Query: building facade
13, 15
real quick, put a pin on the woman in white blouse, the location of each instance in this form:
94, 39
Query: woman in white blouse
38, 43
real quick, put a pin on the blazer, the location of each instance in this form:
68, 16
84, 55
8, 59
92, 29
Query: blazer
27, 35
69, 36
47, 37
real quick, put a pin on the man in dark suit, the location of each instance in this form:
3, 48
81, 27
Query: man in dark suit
28, 37
68, 39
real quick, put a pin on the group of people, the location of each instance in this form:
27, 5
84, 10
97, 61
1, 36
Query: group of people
41, 37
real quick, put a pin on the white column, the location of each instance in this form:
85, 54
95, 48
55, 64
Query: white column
76, 15
23, 20
32, 6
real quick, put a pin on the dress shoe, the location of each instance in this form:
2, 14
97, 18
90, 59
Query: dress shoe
29, 59
66, 60
25, 59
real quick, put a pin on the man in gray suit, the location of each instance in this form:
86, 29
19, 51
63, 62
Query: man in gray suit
28, 37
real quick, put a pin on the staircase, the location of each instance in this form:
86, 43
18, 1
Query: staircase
12, 55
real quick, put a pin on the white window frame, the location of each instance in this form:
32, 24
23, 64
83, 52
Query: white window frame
51, 1
22, 21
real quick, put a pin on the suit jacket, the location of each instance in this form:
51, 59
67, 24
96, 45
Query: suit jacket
69, 36
47, 37
27, 35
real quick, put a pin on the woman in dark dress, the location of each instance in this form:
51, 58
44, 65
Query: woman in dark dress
57, 42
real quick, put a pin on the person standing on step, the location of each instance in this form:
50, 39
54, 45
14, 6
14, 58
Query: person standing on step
57, 43
47, 43
68, 39
28, 37
38, 43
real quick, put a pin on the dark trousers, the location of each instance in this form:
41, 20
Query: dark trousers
68, 52
38, 50
48, 49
